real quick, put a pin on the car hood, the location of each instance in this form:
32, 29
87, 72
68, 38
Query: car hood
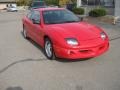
80, 31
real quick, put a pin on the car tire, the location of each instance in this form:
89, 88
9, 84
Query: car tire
25, 33
48, 49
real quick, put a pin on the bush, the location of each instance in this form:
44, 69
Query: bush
52, 2
97, 12
23, 2
79, 11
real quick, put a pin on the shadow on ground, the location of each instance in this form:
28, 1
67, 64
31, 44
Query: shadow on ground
71, 60
34, 43
20, 88
14, 88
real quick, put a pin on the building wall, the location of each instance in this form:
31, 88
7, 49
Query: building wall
91, 4
117, 8
3, 6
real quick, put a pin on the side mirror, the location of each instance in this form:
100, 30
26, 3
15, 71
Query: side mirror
81, 18
35, 21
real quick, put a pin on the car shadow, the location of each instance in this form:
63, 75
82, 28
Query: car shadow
71, 60
57, 59
34, 43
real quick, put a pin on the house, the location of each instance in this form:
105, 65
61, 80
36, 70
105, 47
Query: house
4, 3
117, 8
112, 6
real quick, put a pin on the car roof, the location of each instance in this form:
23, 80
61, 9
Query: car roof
49, 8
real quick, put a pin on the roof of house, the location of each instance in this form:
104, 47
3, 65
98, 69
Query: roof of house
4, 1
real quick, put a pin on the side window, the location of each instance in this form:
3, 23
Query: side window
35, 15
29, 14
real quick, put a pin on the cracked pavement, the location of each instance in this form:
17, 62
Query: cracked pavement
23, 65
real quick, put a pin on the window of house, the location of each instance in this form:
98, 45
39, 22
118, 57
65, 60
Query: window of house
90, 2
109, 3
106, 3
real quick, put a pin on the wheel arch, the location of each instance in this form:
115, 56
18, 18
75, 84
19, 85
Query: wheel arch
47, 37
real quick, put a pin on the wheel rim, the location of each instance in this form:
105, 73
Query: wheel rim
48, 48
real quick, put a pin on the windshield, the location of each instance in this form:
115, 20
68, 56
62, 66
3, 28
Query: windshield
59, 16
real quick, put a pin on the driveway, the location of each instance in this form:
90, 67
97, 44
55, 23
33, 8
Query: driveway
23, 65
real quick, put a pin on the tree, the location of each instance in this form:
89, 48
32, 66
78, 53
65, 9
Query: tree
23, 2
64, 2
52, 2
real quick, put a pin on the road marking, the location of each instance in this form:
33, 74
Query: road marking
20, 61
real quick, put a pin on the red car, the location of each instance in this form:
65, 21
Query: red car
62, 34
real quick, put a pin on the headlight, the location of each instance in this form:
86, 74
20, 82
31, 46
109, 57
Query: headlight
72, 41
103, 35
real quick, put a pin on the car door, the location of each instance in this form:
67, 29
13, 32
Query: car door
29, 24
37, 30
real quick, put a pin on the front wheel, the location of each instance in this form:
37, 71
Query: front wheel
48, 48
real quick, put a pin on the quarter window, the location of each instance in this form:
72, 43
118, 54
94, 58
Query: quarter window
34, 15
29, 14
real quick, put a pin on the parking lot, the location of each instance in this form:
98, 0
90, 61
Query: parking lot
23, 65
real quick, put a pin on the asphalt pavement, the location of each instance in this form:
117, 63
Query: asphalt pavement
23, 66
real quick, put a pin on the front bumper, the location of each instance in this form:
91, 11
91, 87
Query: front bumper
77, 53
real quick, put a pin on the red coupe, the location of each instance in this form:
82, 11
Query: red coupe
62, 34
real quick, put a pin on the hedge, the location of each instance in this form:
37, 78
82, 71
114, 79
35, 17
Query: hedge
97, 12
79, 11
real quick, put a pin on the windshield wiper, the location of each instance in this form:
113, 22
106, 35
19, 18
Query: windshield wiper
70, 21
61, 22
53, 23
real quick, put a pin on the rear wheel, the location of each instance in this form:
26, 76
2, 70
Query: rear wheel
48, 48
